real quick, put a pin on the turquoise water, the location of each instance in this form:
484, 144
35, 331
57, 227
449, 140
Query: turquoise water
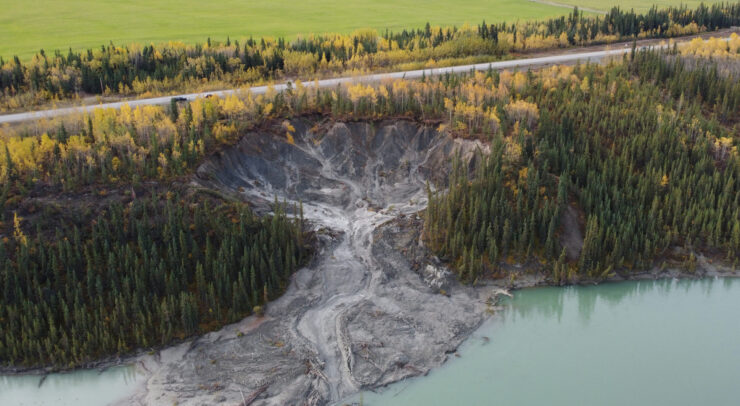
634, 343
79, 388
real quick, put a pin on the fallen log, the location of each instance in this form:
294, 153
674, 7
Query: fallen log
253, 396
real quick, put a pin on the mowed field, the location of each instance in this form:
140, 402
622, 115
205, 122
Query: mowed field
27, 26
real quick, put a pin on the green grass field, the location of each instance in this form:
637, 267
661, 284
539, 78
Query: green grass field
29, 25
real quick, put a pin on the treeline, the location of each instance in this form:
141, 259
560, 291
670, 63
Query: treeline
617, 23
651, 161
147, 69
138, 276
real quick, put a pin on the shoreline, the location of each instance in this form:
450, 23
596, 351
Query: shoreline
525, 279
558, 315
703, 270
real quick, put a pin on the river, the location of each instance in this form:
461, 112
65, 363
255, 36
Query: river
78, 388
668, 342
671, 342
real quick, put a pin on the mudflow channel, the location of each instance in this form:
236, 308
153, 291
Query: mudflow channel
357, 316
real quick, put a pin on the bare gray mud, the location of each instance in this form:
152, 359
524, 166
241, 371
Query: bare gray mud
359, 316
571, 237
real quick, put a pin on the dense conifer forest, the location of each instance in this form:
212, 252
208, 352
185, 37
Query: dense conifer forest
645, 150
155, 69
138, 276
